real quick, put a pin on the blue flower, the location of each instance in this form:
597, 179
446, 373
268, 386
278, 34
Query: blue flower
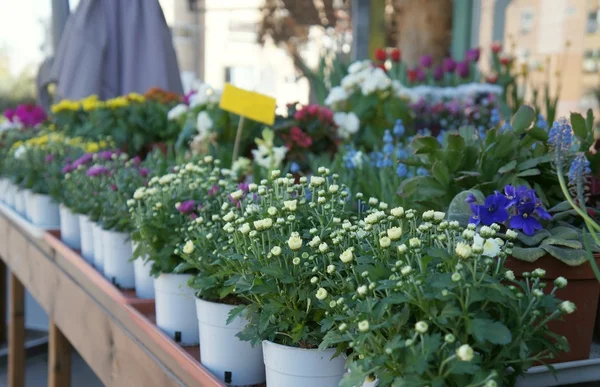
495, 117
399, 128
524, 220
579, 168
401, 153
471, 199
494, 209
388, 149
294, 167
401, 170
424, 132
349, 158
475, 218
560, 136
387, 137
541, 122
422, 171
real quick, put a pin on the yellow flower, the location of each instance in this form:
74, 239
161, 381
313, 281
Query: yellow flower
117, 102
136, 97
65, 105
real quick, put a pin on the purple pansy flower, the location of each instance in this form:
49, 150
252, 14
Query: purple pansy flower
187, 206
97, 170
494, 209
524, 220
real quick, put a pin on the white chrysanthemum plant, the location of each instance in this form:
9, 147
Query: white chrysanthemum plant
423, 299
281, 244
163, 210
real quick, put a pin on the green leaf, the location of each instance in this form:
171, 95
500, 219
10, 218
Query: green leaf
440, 172
563, 232
528, 254
529, 172
572, 257
562, 206
535, 239
508, 167
492, 331
589, 121
530, 163
579, 126
538, 133
523, 119
562, 242
425, 144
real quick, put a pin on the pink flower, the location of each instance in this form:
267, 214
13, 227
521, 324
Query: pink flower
97, 171
187, 207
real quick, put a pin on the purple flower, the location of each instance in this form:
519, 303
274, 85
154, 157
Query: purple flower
144, 172
107, 155
421, 76
438, 73
193, 216
471, 198
136, 160
49, 157
475, 218
494, 209
97, 170
541, 211
85, 159
472, 55
524, 220
426, 61
213, 191
9, 114
462, 69
67, 168
187, 206
449, 65
244, 187
113, 187
30, 115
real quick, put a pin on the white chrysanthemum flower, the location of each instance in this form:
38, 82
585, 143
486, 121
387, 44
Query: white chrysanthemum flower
363, 326
315, 241
177, 111
385, 242
394, 233
414, 243
295, 242
449, 338
428, 215
348, 124
421, 327
237, 195
330, 269
276, 251
244, 228
560, 282
290, 205
321, 294
438, 216
456, 277
463, 250
509, 275
343, 327
538, 293
539, 273
296, 261
567, 307
398, 212
203, 125
347, 256
406, 270
511, 234
402, 249
465, 352
334, 188
336, 95
317, 181
323, 247
362, 290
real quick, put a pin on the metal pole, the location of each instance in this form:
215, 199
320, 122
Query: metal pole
60, 13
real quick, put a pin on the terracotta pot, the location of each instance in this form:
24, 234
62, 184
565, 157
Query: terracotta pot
583, 289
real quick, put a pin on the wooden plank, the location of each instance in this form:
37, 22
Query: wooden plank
59, 358
2, 301
16, 339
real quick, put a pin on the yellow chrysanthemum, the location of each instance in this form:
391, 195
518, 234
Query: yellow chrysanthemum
118, 102
65, 105
136, 97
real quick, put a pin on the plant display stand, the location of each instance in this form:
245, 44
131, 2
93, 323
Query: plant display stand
106, 326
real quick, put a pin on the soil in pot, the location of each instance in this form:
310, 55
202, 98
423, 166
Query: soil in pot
583, 289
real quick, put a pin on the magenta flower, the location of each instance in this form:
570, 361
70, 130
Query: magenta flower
193, 216
449, 65
426, 61
67, 168
213, 191
113, 187
136, 160
472, 55
9, 114
85, 159
30, 115
97, 170
107, 155
144, 172
462, 69
49, 158
438, 73
187, 207
421, 76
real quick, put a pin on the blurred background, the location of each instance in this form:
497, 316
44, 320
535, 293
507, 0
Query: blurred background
269, 45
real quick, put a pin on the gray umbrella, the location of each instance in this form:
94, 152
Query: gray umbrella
114, 47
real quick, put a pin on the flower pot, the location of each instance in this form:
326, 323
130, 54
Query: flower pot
3, 188
9, 197
27, 195
176, 308
98, 247
87, 238
233, 361
299, 367
144, 282
117, 255
20, 201
69, 228
43, 211
583, 289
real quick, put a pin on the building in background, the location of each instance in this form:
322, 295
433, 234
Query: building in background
559, 40
217, 42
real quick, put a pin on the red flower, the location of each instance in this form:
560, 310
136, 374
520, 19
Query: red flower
299, 115
506, 60
326, 115
299, 137
380, 54
313, 109
496, 47
412, 75
492, 78
396, 55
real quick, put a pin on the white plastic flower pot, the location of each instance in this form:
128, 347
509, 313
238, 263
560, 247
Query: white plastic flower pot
233, 361
176, 308
117, 255
98, 247
27, 193
69, 228
298, 367
9, 198
43, 211
144, 282
20, 201
87, 238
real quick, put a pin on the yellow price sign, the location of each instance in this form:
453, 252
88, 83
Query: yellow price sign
249, 104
